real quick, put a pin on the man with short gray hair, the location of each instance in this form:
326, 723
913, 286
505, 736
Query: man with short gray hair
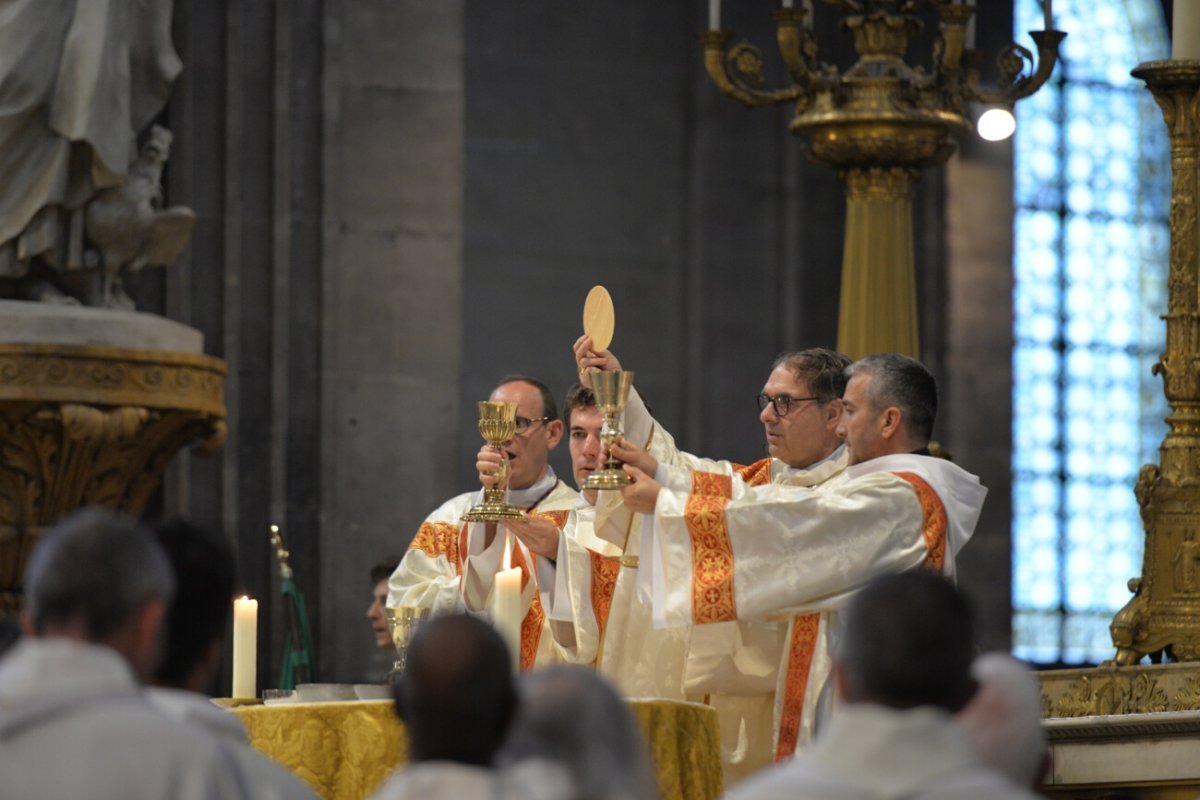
74, 721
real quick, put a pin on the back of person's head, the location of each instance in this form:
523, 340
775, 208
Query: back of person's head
572, 717
905, 383
907, 641
1004, 718
822, 370
205, 573
456, 695
383, 570
94, 571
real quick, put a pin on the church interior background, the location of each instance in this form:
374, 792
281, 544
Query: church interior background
398, 202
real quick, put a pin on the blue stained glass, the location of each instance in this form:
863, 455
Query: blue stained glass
1091, 188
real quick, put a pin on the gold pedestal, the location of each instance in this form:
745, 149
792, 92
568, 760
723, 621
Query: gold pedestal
93, 426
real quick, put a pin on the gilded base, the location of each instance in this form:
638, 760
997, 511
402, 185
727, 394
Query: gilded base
93, 426
492, 511
607, 479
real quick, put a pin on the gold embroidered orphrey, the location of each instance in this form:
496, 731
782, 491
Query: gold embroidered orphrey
93, 426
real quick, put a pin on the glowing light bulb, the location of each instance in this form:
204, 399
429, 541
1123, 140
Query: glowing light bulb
996, 124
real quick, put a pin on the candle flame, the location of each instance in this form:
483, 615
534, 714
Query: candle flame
507, 550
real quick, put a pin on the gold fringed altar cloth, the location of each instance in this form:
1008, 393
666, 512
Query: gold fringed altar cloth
345, 751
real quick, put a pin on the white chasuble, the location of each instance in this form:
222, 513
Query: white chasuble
447, 568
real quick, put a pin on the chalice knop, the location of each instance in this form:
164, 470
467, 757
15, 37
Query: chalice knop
402, 623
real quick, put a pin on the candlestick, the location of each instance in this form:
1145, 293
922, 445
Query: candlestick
245, 647
1185, 30
506, 606
714, 15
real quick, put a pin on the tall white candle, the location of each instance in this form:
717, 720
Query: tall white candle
506, 605
714, 15
245, 647
1185, 30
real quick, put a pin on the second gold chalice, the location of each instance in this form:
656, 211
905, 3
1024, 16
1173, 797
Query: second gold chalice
612, 393
497, 424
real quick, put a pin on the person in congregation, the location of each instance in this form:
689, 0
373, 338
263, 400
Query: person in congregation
203, 564
750, 670
457, 699
1004, 719
376, 612
903, 670
74, 720
574, 739
451, 565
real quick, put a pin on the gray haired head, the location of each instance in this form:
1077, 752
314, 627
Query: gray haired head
902, 382
572, 717
95, 569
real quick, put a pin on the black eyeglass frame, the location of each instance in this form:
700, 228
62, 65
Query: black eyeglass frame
785, 399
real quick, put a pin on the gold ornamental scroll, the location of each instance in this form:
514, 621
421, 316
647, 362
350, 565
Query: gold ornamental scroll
83, 425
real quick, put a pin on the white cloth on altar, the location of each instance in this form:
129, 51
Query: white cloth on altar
75, 723
433, 580
870, 752
266, 779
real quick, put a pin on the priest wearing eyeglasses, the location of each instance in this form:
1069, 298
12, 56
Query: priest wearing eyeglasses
451, 565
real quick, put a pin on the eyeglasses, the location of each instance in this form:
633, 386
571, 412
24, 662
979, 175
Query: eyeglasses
523, 424
782, 403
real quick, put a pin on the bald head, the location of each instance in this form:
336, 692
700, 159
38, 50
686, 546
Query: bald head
456, 695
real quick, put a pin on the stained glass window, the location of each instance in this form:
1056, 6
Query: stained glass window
1092, 180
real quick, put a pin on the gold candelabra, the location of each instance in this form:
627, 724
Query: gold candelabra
1165, 609
879, 124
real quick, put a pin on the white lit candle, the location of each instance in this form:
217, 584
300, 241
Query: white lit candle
1046, 10
506, 605
245, 647
714, 15
1185, 30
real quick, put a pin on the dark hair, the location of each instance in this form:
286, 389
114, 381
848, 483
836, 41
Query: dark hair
205, 577
907, 641
549, 407
383, 570
96, 568
902, 382
823, 371
578, 396
457, 695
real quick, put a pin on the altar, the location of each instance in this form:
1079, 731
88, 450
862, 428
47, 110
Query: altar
346, 750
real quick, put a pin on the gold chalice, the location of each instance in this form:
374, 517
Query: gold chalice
497, 424
612, 393
402, 623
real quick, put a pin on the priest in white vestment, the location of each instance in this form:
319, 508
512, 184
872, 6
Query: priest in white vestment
451, 565
726, 548
738, 667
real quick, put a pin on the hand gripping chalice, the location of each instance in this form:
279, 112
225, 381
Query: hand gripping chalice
497, 424
402, 622
612, 393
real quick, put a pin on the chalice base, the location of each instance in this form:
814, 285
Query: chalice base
607, 479
492, 511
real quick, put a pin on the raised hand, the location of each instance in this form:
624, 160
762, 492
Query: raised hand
629, 453
641, 496
589, 360
491, 465
538, 533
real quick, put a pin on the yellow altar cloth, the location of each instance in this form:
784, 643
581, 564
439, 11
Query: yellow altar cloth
345, 751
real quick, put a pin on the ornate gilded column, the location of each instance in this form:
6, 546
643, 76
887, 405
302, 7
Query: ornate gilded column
93, 406
879, 124
1165, 609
